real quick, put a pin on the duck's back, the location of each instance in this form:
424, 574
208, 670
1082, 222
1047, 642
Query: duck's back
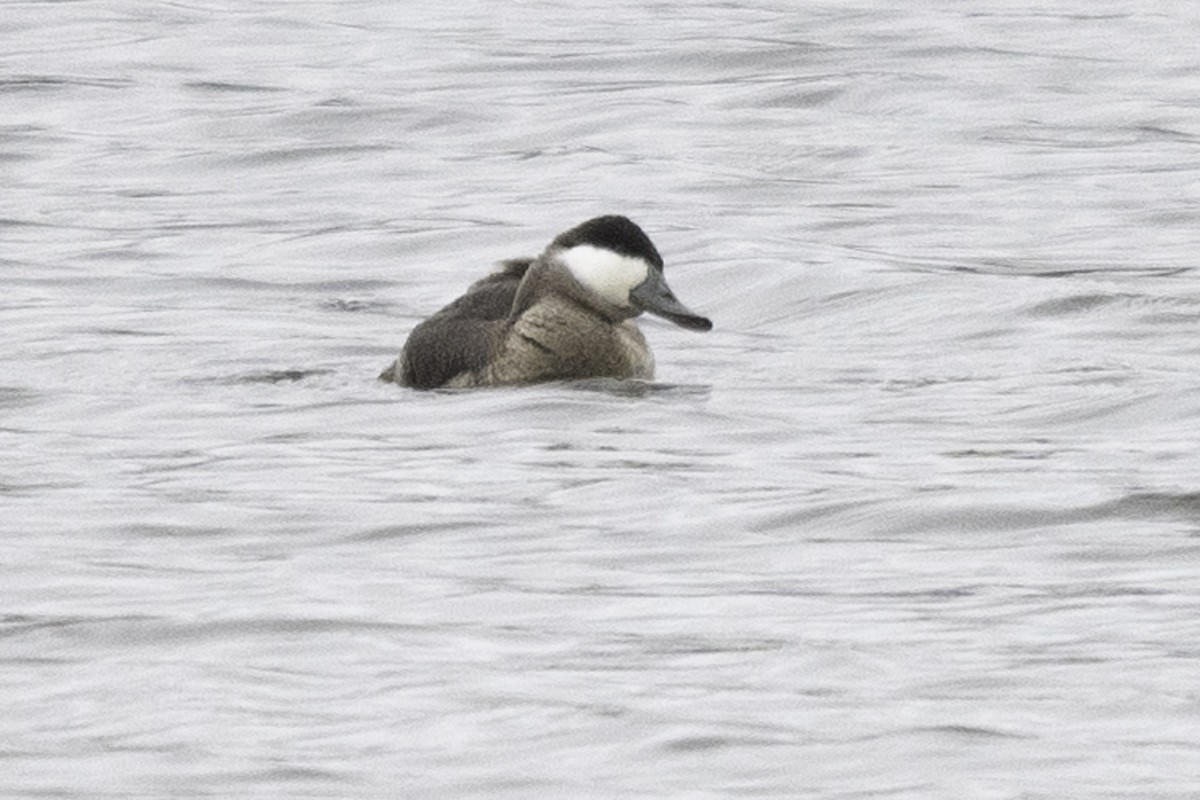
461, 337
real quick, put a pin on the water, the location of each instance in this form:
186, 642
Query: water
918, 519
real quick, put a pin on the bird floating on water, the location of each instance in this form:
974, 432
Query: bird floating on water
566, 314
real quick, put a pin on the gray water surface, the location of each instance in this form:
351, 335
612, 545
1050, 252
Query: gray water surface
919, 518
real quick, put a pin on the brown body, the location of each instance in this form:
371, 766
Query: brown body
527, 323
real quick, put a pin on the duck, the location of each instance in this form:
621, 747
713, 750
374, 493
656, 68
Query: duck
566, 314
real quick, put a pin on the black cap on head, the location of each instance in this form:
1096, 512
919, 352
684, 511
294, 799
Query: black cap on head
612, 232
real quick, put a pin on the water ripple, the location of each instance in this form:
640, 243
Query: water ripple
917, 518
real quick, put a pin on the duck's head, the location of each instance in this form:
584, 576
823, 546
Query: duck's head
614, 259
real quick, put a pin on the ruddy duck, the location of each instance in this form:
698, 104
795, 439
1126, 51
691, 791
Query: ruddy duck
564, 315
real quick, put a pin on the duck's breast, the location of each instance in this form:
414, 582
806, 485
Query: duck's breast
557, 339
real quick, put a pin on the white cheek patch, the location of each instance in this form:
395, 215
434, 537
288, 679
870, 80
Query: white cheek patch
610, 275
